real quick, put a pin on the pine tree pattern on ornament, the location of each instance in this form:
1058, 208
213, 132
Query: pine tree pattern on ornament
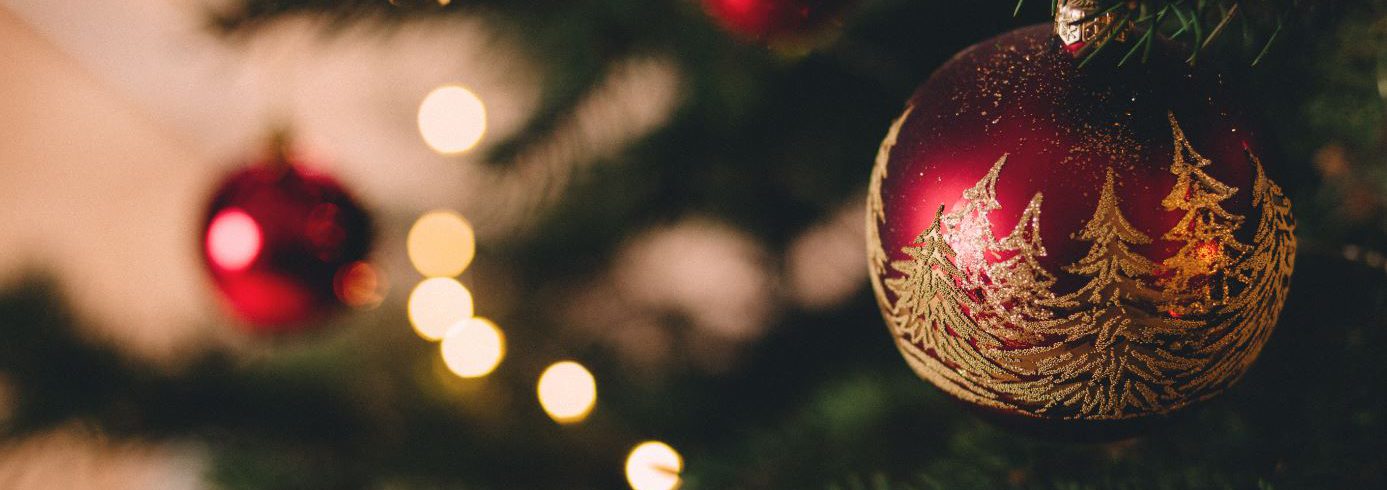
979, 316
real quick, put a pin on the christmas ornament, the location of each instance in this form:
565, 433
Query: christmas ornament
779, 23
1076, 248
283, 244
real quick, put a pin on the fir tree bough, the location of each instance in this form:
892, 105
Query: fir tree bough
1198, 23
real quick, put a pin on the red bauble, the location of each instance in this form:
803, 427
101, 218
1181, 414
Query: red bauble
1076, 247
777, 22
283, 244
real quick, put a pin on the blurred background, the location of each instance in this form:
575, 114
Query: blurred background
665, 199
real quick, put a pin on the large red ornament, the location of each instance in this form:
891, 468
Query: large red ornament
777, 22
284, 244
1081, 249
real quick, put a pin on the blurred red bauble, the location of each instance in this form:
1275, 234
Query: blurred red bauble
1076, 250
777, 22
285, 245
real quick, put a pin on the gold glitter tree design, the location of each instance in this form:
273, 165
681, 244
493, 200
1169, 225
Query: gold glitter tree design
970, 231
980, 318
1117, 365
1194, 278
1264, 271
930, 307
1019, 281
876, 209
1006, 274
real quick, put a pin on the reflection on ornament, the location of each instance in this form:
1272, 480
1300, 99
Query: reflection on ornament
567, 391
436, 304
360, 285
473, 348
441, 244
653, 465
233, 239
452, 119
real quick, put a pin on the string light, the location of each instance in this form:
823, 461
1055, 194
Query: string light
436, 304
441, 244
653, 465
452, 119
567, 391
473, 348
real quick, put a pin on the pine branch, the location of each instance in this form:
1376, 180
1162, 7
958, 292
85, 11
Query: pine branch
1199, 24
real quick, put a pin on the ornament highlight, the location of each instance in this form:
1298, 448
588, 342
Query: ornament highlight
276, 240
1071, 247
233, 240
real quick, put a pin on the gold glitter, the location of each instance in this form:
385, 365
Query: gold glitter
876, 213
979, 317
930, 307
970, 231
1205, 232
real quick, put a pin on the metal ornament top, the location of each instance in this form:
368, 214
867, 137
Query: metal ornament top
1075, 23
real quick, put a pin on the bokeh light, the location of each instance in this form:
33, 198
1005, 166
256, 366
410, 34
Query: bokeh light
233, 239
452, 119
823, 266
473, 347
436, 304
441, 244
653, 465
567, 391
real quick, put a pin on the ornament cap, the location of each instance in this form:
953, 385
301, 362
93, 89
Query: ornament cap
279, 150
1079, 23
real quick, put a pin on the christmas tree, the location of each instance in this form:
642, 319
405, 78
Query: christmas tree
678, 210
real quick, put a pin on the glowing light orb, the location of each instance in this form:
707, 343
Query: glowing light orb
452, 119
567, 391
233, 239
441, 244
473, 348
436, 304
653, 465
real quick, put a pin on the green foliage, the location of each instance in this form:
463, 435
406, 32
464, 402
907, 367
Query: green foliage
1198, 23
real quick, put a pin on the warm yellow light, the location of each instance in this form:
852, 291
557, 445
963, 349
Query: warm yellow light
452, 119
567, 392
441, 244
437, 304
473, 347
653, 465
